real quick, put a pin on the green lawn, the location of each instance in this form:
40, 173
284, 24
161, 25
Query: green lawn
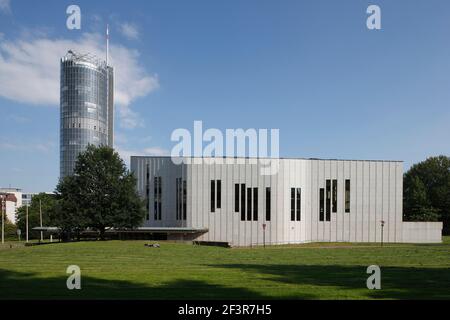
127, 269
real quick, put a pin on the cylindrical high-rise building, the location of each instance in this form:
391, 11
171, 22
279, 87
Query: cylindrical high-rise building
87, 107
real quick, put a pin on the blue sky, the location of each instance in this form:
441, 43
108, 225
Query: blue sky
310, 68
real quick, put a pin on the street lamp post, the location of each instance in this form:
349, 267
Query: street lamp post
26, 223
264, 235
40, 217
382, 226
3, 220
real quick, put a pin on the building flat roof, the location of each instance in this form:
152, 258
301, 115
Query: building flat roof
170, 230
280, 158
140, 229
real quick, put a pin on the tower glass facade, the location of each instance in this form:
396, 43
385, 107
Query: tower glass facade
87, 107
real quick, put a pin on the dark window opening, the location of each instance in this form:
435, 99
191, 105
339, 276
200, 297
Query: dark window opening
213, 196
321, 200
236, 197
328, 200
147, 194
347, 196
243, 202
178, 197
255, 204
184, 199
219, 194
334, 196
292, 204
160, 198
157, 188
268, 204
299, 202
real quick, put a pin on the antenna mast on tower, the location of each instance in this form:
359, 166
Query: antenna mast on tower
107, 44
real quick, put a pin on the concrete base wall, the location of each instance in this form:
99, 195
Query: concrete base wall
422, 232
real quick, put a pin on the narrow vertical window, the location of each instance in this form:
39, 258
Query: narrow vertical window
213, 195
334, 196
177, 197
180, 197
299, 202
347, 196
321, 201
255, 204
292, 204
147, 194
243, 202
328, 200
236, 197
160, 198
184, 199
249, 204
219, 194
268, 204
155, 198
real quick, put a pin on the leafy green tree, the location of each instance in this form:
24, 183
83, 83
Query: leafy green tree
10, 229
101, 194
47, 202
68, 213
427, 191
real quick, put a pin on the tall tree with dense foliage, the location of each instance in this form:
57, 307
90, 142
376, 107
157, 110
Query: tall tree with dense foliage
101, 194
426, 193
68, 212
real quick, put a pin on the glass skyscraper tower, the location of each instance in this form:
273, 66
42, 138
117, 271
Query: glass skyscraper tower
87, 107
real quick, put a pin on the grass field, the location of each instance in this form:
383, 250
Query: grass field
129, 270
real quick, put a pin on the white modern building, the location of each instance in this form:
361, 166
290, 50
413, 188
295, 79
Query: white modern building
12, 206
23, 199
235, 201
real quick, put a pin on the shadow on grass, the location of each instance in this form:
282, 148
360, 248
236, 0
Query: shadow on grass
396, 282
336, 281
20, 285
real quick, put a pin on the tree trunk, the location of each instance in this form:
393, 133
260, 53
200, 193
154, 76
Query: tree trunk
102, 233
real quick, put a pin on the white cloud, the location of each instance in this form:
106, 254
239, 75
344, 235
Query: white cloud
125, 154
5, 6
44, 147
29, 72
129, 30
156, 151
18, 118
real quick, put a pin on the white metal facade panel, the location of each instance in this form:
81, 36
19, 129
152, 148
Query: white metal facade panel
376, 189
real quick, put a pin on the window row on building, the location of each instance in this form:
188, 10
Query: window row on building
246, 199
328, 199
181, 197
